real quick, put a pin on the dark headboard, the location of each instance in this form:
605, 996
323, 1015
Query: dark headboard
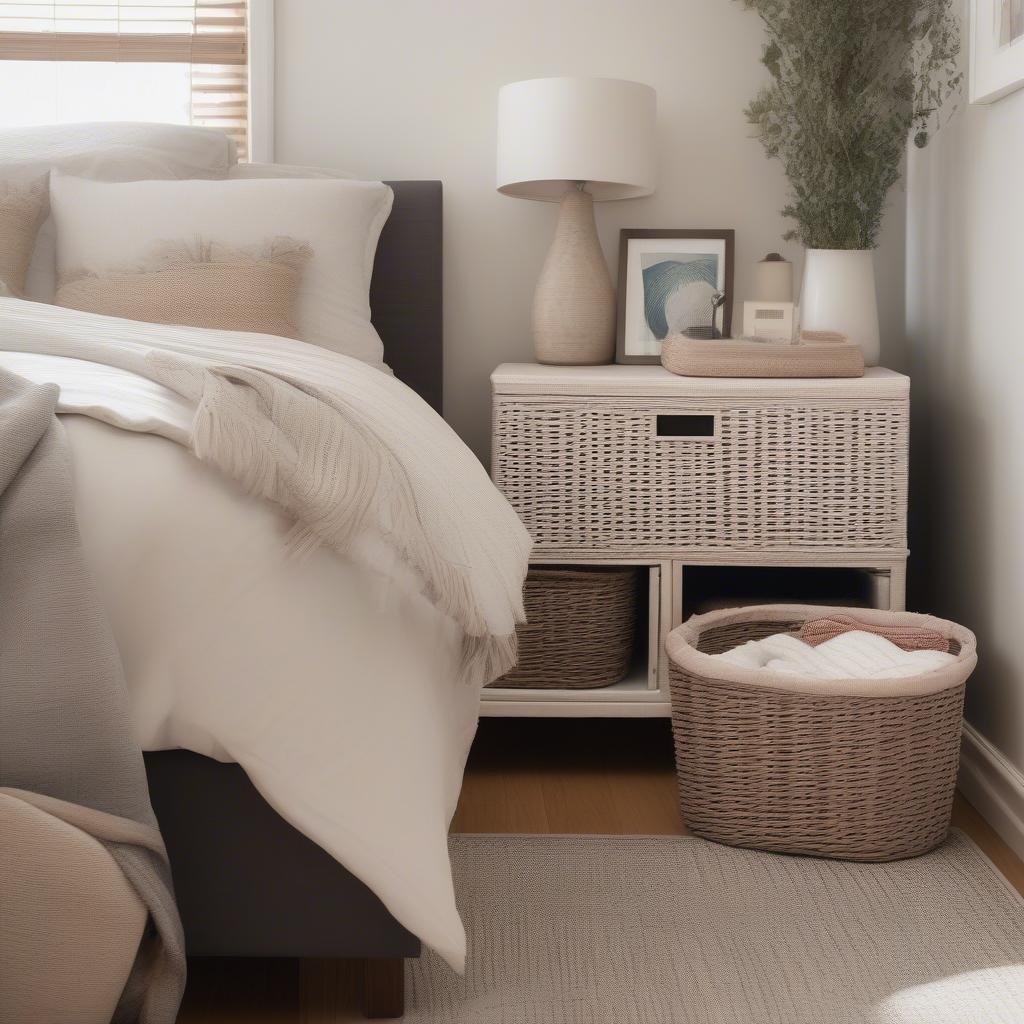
405, 294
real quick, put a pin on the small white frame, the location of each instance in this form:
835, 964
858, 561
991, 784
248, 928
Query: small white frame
774, 320
995, 71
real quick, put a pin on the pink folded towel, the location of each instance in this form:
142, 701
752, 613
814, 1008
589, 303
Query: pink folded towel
909, 638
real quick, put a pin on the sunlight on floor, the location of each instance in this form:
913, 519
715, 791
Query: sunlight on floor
956, 999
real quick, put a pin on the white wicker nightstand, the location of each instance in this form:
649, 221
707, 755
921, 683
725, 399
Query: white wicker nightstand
634, 465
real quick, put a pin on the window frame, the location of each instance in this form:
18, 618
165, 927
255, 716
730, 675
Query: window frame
261, 81
259, 71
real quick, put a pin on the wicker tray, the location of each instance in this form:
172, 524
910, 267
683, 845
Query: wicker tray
580, 629
729, 357
854, 769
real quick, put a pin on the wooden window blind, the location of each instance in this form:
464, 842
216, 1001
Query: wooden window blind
211, 36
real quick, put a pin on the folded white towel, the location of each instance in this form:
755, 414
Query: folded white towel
853, 655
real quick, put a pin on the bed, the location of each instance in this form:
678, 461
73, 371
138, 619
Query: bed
247, 882
306, 574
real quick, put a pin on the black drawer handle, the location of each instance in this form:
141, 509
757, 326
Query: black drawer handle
686, 426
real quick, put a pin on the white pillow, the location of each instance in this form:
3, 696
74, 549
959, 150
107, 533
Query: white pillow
113, 229
285, 171
119, 150
108, 151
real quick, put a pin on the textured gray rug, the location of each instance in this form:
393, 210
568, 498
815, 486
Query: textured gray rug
664, 930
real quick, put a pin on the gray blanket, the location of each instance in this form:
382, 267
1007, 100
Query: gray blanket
65, 733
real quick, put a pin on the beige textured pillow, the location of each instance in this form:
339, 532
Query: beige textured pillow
23, 207
200, 285
110, 228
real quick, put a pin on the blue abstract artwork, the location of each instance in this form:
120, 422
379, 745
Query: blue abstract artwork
679, 292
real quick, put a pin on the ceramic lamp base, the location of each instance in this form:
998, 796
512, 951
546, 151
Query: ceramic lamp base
574, 305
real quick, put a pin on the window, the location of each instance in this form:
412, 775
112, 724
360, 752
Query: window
177, 61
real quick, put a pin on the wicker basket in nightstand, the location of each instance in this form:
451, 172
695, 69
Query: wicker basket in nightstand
579, 631
633, 464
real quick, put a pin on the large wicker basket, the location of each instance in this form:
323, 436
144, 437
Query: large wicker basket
853, 769
580, 628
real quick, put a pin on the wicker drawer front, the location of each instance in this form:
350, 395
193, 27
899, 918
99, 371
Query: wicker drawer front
772, 474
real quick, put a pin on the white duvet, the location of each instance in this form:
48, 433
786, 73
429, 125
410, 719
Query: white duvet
332, 680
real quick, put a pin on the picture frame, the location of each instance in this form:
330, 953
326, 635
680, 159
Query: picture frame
996, 49
670, 278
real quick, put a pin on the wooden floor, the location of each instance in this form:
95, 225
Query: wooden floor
542, 776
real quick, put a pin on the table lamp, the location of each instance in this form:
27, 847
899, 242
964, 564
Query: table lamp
575, 141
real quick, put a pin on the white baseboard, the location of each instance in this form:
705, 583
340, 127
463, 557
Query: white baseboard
994, 786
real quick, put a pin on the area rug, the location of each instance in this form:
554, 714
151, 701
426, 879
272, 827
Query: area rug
671, 930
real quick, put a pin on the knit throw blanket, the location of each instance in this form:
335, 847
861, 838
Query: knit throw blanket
358, 461
66, 743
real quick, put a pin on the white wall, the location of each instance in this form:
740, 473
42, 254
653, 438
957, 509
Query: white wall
965, 295
408, 88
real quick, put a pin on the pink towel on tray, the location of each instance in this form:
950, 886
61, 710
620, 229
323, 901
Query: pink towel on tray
909, 638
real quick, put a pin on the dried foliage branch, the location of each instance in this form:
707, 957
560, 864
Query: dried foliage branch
850, 81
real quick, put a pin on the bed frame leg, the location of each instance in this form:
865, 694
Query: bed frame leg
384, 987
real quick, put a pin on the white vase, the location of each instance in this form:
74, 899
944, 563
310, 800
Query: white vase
838, 294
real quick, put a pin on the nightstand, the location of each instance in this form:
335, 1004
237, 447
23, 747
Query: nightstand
725, 491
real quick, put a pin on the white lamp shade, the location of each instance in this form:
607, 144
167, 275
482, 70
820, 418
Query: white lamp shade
552, 131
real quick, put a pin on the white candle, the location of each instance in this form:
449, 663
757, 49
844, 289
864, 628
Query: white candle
773, 279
